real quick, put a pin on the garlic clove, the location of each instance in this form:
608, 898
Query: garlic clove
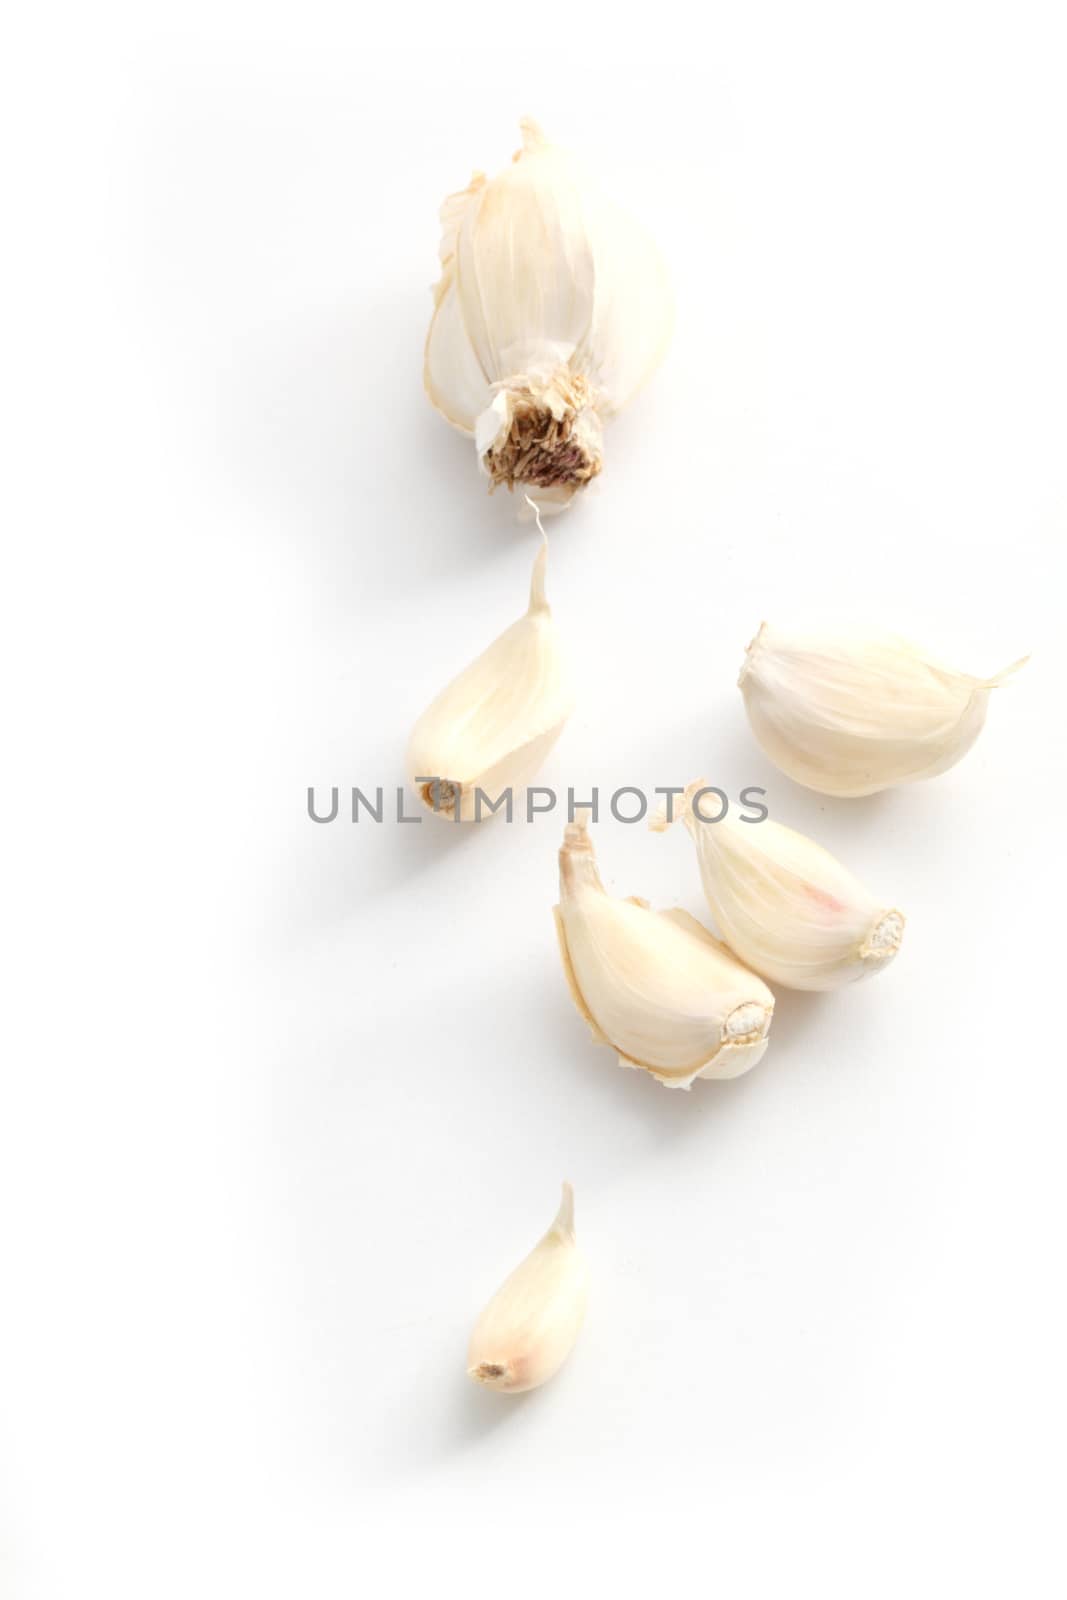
491, 728
552, 309
529, 1327
785, 905
655, 985
848, 714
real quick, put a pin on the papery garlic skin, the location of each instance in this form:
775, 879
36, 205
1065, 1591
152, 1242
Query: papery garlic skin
529, 1327
848, 714
786, 906
655, 985
493, 725
552, 309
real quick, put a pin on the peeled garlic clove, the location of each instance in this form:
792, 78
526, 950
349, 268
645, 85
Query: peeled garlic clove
655, 985
849, 714
552, 309
785, 905
494, 724
528, 1329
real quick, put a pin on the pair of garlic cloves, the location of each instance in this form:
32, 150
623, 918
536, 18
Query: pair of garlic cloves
489, 730
529, 1327
786, 906
551, 311
655, 985
848, 714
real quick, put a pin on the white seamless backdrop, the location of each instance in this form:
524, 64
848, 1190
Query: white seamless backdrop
282, 1102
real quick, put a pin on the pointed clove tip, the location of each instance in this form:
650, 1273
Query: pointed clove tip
577, 861
564, 1222
532, 136
750, 651
1007, 673
576, 834
538, 598
659, 821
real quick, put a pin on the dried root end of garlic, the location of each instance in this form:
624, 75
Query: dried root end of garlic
441, 795
852, 713
546, 434
529, 1327
883, 941
655, 986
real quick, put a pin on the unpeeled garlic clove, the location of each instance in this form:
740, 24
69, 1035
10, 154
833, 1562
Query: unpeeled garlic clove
552, 309
655, 985
529, 1327
495, 723
848, 714
785, 905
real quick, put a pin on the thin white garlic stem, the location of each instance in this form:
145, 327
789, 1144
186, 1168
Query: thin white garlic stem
850, 713
655, 985
529, 1327
785, 905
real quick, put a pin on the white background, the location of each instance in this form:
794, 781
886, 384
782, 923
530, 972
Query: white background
283, 1103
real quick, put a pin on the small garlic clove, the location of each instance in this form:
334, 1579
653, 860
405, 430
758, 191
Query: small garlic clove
529, 1327
785, 905
655, 985
552, 309
848, 714
491, 728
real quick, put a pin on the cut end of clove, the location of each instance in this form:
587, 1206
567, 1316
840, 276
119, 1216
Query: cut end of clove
747, 1023
443, 795
883, 941
489, 1372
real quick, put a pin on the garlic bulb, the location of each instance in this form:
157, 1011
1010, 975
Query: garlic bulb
655, 985
487, 733
551, 311
785, 905
528, 1329
849, 714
